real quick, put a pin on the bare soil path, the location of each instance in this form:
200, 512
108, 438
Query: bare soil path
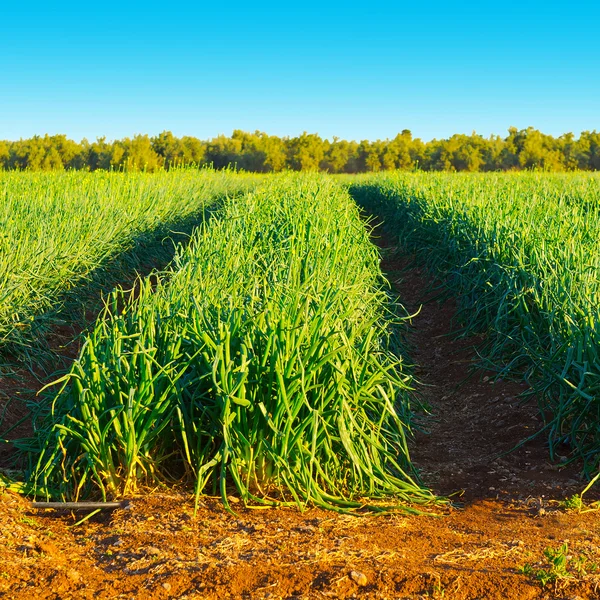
477, 419
508, 514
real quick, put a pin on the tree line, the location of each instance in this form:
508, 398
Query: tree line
262, 153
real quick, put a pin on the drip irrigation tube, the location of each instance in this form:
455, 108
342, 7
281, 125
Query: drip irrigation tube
81, 505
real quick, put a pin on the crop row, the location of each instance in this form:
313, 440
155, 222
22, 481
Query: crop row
522, 254
266, 360
57, 229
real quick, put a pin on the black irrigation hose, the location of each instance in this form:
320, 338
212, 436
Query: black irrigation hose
81, 505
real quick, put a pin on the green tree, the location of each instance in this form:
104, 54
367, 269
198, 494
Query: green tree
369, 156
4, 154
587, 151
306, 152
400, 149
341, 156
260, 152
223, 152
194, 150
138, 154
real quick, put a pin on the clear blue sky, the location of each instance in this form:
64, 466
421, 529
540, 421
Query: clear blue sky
358, 71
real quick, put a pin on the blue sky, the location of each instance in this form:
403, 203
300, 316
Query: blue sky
358, 71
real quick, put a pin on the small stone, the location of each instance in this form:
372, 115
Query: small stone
233, 499
305, 529
359, 578
167, 586
152, 551
46, 547
74, 575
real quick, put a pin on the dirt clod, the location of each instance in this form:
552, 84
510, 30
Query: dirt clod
74, 575
359, 578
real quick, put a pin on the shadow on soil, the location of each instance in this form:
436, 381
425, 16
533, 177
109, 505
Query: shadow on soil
477, 418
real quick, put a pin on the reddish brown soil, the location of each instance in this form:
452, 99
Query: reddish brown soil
20, 383
508, 514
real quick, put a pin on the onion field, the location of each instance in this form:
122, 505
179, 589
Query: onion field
269, 358
59, 229
521, 253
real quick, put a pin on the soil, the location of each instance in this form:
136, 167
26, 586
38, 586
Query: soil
507, 510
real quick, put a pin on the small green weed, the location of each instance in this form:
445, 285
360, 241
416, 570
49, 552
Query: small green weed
31, 522
576, 503
560, 566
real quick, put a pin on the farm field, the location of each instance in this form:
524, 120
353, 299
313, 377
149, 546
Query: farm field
291, 359
67, 239
59, 229
522, 255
